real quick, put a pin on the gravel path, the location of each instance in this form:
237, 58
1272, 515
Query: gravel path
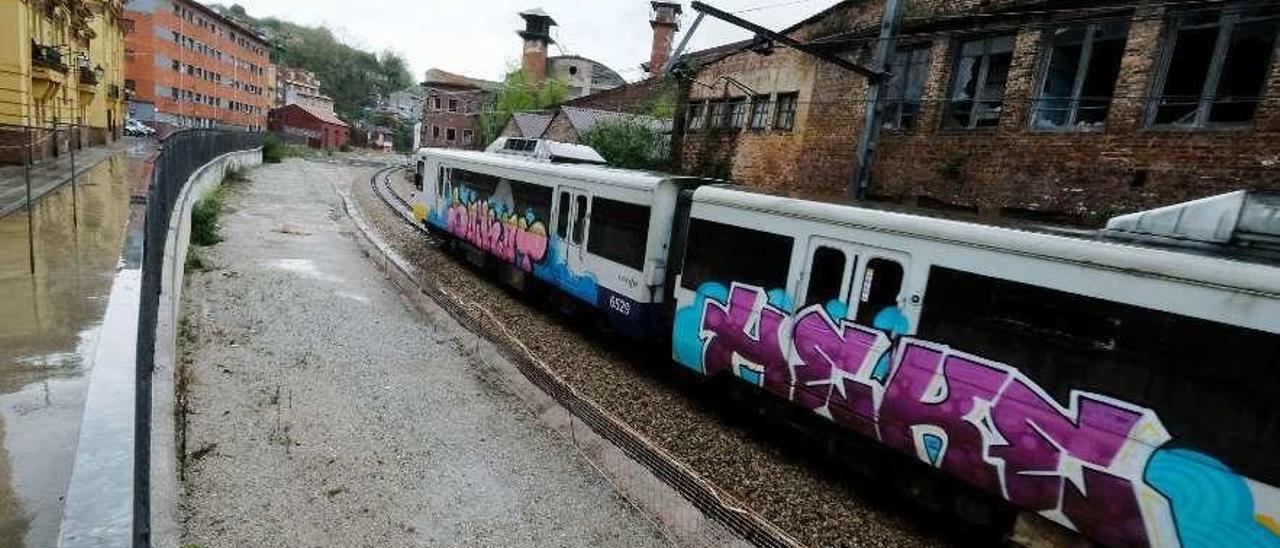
771, 480
323, 411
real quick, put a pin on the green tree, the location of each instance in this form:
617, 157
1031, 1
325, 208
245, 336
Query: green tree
517, 95
628, 142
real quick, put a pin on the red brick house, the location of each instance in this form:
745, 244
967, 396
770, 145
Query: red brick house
1014, 108
318, 128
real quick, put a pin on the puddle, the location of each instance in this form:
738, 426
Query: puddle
49, 324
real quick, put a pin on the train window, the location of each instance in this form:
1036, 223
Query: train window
562, 221
826, 276
1064, 342
420, 174
619, 232
725, 253
579, 218
881, 284
531, 198
482, 184
440, 182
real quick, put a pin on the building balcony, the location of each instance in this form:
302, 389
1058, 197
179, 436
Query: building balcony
47, 57
88, 77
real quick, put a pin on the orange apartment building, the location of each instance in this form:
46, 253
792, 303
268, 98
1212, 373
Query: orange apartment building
187, 66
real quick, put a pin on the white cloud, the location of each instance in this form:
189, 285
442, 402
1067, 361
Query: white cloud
478, 37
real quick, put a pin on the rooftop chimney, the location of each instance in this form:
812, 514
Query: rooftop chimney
537, 36
665, 21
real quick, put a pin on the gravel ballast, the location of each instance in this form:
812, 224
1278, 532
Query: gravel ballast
322, 410
776, 482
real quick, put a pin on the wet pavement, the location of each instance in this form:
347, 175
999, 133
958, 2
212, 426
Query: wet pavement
49, 326
323, 410
48, 174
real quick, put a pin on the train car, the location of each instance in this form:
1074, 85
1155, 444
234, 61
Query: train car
597, 234
1125, 390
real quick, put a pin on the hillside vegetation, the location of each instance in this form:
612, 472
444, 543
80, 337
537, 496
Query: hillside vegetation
353, 77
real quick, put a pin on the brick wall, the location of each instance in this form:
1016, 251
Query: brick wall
1079, 177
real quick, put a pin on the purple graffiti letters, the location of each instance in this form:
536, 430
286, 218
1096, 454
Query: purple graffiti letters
831, 357
1042, 441
510, 237
746, 332
932, 391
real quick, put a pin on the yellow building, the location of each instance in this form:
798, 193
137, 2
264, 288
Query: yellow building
61, 61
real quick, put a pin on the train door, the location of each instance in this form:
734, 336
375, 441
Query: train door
878, 296
574, 209
851, 281
828, 277
443, 191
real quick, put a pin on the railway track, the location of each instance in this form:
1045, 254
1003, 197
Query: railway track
742, 522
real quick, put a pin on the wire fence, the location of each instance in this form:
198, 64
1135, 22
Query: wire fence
181, 155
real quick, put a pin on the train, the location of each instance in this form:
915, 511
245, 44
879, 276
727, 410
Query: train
1121, 383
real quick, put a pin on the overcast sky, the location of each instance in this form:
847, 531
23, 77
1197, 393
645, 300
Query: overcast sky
477, 37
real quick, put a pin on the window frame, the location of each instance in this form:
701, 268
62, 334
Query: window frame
450, 135
1228, 17
758, 114
926, 49
1092, 30
791, 100
981, 77
736, 113
696, 116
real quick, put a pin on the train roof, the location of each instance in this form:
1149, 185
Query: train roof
1224, 266
636, 179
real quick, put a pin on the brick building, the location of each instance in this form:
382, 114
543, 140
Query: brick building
316, 127
1044, 110
188, 66
302, 87
452, 109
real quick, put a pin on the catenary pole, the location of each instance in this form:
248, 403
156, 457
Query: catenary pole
869, 137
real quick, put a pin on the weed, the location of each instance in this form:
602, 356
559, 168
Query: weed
272, 149
952, 166
236, 175
196, 261
204, 219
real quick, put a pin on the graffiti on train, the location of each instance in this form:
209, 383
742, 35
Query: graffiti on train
1096, 465
492, 226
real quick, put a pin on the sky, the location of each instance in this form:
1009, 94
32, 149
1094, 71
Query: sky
478, 37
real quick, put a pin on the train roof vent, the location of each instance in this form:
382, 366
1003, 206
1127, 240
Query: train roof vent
1245, 219
545, 150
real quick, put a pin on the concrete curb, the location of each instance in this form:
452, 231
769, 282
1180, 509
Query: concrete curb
166, 530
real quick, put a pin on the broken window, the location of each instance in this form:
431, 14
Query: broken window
1082, 64
759, 111
716, 114
1216, 63
737, 113
784, 116
695, 116
977, 83
900, 104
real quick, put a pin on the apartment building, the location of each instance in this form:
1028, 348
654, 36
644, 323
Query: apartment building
59, 64
188, 66
302, 87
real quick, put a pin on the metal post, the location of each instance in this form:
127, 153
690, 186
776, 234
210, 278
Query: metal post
871, 124
75, 209
31, 241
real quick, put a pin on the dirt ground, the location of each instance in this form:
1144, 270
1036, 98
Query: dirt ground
323, 411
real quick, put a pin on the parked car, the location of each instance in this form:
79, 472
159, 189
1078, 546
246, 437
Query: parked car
138, 129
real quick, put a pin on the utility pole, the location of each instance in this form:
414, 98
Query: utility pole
871, 125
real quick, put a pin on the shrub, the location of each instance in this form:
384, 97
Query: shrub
627, 143
204, 219
272, 149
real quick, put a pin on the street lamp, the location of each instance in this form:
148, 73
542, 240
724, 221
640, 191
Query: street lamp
98, 72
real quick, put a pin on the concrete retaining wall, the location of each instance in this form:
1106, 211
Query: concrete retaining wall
99, 506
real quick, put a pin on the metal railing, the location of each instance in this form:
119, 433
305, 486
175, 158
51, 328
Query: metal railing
181, 155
